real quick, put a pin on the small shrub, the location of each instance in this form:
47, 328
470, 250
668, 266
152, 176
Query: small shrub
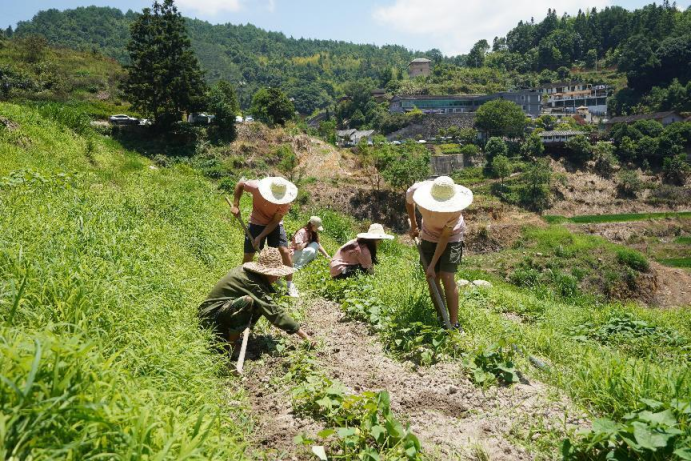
629, 183
633, 259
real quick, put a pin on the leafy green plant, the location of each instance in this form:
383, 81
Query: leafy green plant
492, 362
360, 426
655, 431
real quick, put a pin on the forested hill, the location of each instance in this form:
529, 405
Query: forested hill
308, 70
651, 46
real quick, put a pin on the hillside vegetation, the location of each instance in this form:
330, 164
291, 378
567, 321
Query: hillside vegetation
104, 258
650, 46
103, 261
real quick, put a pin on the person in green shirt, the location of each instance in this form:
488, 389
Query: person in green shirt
243, 296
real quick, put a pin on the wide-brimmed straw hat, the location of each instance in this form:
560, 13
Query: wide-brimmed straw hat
278, 190
269, 263
442, 195
317, 222
375, 232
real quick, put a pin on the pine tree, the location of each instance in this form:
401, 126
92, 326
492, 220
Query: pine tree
164, 79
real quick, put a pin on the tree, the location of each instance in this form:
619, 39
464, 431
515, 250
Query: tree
476, 57
288, 161
605, 161
33, 47
163, 77
627, 149
230, 96
546, 121
272, 106
535, 189
493, 148
532, 147
580, 148
411, 163
639, 62
221, 103
676, 170
647, 149
591, 59
501, 168
563, 73
629, 183
501, 118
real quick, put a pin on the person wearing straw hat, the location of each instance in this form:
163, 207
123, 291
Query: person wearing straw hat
358, 255
271, 200
243, 296
440, 203
305, 243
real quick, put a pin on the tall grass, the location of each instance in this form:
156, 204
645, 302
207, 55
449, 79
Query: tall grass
102, 265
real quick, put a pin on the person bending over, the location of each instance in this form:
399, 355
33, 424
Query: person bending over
358, 255
442, 231
271, 200
243, 296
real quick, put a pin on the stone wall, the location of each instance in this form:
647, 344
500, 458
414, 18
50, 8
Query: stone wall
429, 126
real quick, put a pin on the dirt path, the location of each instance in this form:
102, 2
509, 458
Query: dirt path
453, 418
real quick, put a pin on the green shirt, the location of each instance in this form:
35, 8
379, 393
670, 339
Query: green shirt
240, 282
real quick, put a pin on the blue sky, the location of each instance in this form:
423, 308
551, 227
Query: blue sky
449, 25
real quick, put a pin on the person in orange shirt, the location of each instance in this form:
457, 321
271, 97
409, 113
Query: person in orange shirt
271, 200
358, 255
440, 203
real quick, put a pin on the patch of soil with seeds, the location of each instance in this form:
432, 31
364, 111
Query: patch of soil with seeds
452, 417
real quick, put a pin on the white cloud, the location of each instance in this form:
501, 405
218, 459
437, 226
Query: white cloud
454, 26
271, 6
209, 7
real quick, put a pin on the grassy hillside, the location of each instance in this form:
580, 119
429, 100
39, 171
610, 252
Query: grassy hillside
32, 70
102, 263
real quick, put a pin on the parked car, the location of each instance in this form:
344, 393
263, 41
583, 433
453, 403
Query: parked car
239, 119
396, 143
122, 119
422, 141
200, 118
249, 119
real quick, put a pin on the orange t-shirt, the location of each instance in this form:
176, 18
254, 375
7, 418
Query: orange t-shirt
263, 210
351, 254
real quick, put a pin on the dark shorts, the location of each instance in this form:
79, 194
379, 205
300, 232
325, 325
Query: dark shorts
277, 237
227, 317
350, 271
450, 259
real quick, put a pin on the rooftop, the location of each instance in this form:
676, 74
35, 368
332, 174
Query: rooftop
420, 60
545, 134
430, 97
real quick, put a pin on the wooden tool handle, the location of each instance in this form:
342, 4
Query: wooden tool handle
434, 289
243, 350
242, 224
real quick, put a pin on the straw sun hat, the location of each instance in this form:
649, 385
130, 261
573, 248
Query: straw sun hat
278, 190
269, 263
375, 232
442, 195
317, 222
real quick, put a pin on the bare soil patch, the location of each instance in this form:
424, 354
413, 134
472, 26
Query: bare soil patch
586, 193
452, 417
672, 285
448, 412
